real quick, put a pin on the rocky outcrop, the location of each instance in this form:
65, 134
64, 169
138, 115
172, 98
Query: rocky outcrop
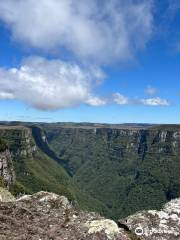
19, 143
156, 225
6, 167
19, 139
49, 216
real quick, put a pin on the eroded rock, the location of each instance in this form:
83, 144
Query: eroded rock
6, 168
156, 225
50, 216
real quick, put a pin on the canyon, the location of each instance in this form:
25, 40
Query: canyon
115, 170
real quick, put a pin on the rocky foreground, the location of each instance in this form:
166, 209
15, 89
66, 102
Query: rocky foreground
47, 216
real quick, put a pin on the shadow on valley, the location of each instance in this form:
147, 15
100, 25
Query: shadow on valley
37, 133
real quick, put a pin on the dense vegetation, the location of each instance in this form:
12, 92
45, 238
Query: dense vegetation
127, 170
36, 171
3, 145
111, 170
2, 182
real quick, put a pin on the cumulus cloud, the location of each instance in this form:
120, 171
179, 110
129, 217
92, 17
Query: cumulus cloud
92, 33
6, 95
120, 99
123, 100
157, 101
50, 84
96, 101
103, 31
151, 90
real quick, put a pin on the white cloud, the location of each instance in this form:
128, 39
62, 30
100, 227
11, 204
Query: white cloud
91, 32
123, 100
120, 99
157, 101
151, 90
102, 31
96, 101
6, 95
50, 84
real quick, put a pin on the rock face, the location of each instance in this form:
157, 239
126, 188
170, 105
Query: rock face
19, 140
156, 225
19, 144
49, 216
6, 167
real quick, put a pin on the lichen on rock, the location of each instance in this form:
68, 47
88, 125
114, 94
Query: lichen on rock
6, 196
108, 226
156, 225
49, 216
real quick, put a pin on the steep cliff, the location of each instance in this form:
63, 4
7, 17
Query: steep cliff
27, 165
6, 168
126, 168
19, 140
116, 170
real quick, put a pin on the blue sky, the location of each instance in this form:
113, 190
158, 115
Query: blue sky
102, 61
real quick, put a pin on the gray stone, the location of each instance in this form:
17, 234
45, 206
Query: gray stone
156, 225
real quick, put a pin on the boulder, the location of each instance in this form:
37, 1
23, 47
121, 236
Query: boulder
156, 225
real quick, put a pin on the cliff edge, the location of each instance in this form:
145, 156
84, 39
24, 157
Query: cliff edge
49, 216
